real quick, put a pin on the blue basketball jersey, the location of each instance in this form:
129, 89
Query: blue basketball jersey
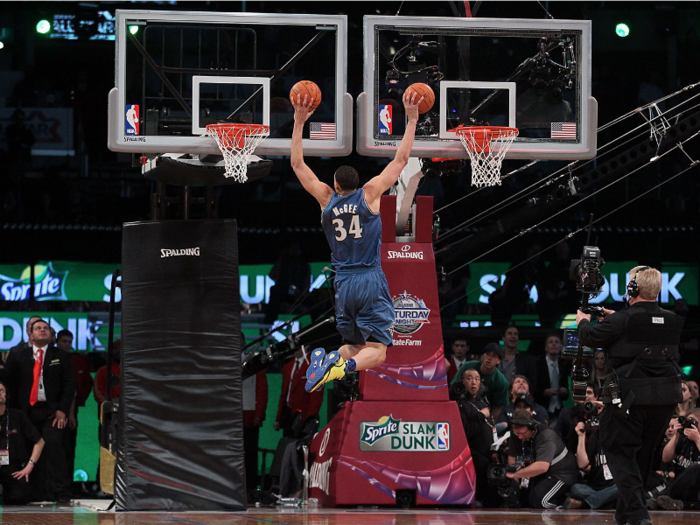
353, 231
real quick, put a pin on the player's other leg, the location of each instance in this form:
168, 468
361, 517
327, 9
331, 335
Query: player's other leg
347, 359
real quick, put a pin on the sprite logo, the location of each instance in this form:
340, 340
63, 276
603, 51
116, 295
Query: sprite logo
48, 285
396, 435
386, 426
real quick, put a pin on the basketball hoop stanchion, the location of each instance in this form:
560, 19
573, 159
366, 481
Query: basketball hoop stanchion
487, 146
237, 143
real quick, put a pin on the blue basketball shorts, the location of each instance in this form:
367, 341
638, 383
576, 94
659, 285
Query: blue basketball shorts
363, 306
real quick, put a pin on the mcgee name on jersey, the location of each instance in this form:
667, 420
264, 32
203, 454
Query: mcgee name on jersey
345, 208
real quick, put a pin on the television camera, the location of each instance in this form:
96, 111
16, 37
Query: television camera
589, 281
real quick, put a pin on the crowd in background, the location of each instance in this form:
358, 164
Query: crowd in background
517, 407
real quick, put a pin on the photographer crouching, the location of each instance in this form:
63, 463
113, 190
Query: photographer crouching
545, 468
642, 387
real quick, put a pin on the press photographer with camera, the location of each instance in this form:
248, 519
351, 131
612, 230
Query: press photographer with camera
683, 453
642, 386
478, 425
550, 468
598, 489
683, 449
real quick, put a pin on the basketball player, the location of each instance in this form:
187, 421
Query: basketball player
353, 228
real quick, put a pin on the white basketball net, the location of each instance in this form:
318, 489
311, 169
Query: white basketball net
237, 145
487, 147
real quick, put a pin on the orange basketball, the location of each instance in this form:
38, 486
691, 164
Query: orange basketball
422, 90
306, 87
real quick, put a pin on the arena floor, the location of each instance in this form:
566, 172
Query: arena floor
90, 514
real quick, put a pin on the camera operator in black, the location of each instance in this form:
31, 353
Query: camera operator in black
683, 452
683, 449
551, 469
642, 386
598, 489
478, 427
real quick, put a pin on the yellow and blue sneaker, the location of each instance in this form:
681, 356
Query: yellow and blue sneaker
323, 368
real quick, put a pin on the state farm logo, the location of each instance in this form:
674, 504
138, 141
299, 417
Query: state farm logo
191, 252
405, 253
410, 313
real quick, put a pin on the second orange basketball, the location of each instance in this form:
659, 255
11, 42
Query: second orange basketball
306, 87
422, 90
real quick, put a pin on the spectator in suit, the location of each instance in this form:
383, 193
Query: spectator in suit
42, 385
16, 428
82, 370
28, 328
552, 377
460, 347
254, 406
515, 362
296, 404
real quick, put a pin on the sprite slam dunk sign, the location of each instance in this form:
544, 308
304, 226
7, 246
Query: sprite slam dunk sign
394, 435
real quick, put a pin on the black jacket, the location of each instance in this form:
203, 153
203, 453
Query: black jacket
642, 348
543, 380
59, 380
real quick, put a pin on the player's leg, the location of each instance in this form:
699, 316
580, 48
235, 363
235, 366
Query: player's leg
364, 312
366, 356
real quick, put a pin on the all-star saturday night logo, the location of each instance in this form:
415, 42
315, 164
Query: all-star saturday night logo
411, 313
394, 435
48, 285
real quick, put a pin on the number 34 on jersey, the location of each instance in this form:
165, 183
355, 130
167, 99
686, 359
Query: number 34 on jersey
344, 227
342, 230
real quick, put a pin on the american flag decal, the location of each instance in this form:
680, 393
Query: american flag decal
321, 130
563, 130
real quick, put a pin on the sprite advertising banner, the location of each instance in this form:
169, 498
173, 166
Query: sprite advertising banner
79, 281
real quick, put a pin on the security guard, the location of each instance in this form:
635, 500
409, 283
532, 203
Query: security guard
642, 387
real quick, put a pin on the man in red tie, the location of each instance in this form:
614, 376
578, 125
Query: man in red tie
295, 402
41, 383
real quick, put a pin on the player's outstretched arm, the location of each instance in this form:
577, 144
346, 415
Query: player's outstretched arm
321, 191
387, 178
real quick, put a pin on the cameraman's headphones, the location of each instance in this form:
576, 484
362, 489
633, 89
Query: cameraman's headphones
632, 286
531, 424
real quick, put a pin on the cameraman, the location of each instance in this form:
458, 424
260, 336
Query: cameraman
683, 450
478, 426
551, 469
642, 386
598, 490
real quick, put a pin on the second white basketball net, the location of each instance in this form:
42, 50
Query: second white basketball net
237, 143
487, 146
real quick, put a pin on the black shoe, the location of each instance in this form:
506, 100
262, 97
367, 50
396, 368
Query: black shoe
644, 522
665, 502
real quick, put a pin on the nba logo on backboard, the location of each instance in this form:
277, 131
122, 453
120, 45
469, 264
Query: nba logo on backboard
132, 119
385, 114
443, 436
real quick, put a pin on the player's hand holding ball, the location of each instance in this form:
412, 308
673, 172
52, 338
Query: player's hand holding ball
305, 96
